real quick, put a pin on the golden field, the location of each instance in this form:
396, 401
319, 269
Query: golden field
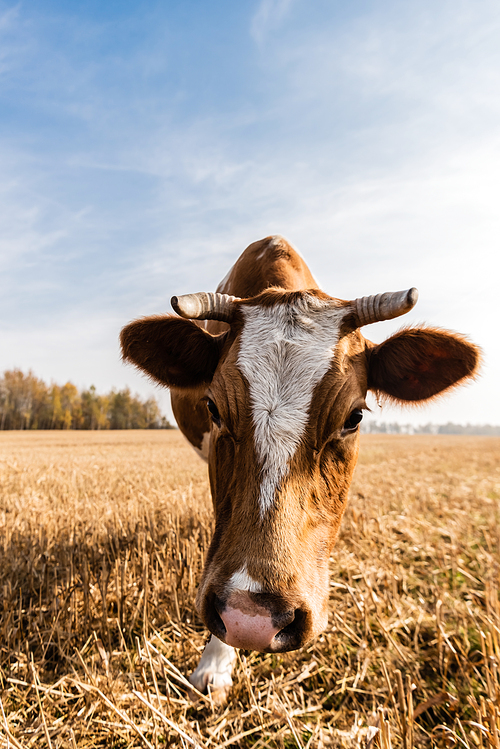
103, 536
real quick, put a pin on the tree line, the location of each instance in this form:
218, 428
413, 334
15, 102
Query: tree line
27, 402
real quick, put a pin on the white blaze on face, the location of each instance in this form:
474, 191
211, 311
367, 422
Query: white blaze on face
285, 351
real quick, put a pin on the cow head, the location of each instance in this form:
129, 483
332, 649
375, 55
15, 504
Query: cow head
285, 390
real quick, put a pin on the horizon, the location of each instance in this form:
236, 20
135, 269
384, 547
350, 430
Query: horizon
369, 424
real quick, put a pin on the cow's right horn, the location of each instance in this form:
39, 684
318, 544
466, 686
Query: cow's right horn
205, 305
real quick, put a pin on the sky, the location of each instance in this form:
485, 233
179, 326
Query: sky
144, 145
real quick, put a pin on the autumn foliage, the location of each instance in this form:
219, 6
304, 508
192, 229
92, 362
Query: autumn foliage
27, 402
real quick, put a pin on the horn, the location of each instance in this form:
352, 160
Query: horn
368, 309
205, 306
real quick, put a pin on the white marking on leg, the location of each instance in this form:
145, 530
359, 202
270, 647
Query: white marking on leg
215, 668
241, 580
285, 351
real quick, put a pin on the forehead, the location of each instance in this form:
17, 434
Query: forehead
284, 351
288, 338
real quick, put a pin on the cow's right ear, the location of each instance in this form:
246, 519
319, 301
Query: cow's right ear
172, 351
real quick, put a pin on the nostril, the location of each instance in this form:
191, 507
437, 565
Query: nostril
213, 619
218, 621
292, 636
290, 629
285, 620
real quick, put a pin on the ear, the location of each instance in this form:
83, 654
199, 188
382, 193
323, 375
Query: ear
173, 351
418, 363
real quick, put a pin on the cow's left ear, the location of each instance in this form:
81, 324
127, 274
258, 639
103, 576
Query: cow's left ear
418, 363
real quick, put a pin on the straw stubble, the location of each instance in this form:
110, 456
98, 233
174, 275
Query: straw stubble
103, 540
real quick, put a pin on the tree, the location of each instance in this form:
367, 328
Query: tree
27, 403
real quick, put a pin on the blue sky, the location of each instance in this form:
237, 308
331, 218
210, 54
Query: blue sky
143, 145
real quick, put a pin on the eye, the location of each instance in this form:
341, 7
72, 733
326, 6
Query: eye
214, 412
353, 420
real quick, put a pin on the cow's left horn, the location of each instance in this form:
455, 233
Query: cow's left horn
205, 305
368, 309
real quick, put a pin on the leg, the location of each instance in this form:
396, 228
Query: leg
214, 669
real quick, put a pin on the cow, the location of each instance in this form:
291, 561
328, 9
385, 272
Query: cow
268, 379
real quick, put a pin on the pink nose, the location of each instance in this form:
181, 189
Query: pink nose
250, 631
258, 621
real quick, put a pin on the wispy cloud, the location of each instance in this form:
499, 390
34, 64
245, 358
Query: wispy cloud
268, 17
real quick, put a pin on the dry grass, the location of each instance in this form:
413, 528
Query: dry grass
103, 538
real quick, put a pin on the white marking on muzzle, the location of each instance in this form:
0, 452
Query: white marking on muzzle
241, 580
285, 351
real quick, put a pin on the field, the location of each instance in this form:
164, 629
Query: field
103, 540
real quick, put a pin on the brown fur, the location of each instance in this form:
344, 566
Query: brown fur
286, 550
268, 262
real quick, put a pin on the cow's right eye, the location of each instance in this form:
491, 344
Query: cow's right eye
214, 412
353, 420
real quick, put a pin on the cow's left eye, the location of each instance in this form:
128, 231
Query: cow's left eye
354, 419
214, 412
